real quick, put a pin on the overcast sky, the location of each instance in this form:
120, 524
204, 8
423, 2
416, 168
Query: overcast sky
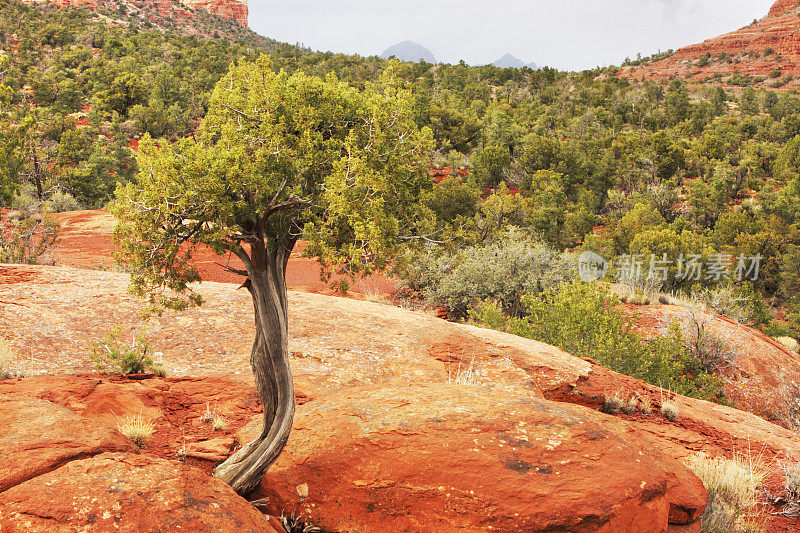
569, 34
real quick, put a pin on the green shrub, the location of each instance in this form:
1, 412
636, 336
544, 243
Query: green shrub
26, 199
60, 202
504, 271
28, 239
581, 319
111, 355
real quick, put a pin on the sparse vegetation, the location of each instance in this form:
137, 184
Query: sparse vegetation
646, 405
613, 403
505, 270
469, 376
294, 524
214, 419
112, 355
581, 319
733, 488
789, 498
6, 357
715, 352
138, 429
26, 237
630, 406
789, 342
669, 410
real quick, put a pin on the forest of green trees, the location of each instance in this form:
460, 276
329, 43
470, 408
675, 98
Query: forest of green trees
529, 164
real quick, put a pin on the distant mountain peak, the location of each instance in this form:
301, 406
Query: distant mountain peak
510, 61
409, 51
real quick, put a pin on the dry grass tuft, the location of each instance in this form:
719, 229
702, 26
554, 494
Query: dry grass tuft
733, 487
6, 356
216, 420
469, 376
208, 415
613, 404
646, 406
137, 429
374, 295
631, 406
789, 342
219, 422
669, 410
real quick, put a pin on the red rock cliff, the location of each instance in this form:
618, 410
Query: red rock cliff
782, 6
230, 9
767, 46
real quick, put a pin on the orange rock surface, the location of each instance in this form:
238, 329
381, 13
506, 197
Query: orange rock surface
230, 9
385, 431
127, 492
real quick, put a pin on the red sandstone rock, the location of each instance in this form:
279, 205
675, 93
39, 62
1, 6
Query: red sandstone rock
37, 436
344, 352
211, 450
127, 493
779, 30
782, 6
231, 9
450, 457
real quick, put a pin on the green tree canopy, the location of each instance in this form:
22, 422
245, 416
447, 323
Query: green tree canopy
278, 157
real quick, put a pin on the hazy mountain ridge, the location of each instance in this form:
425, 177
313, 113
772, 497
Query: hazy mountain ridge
511, 61
409, 51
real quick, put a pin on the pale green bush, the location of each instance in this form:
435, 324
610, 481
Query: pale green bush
504, 271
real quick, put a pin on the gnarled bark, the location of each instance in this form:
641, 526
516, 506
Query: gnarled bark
269, 359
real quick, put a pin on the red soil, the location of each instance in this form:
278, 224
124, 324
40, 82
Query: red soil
85, 242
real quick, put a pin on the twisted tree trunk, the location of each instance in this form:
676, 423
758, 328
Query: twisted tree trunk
269, 358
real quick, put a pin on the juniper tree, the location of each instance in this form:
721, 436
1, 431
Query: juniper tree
277, 158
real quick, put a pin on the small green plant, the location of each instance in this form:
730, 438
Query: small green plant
138, 429
112, 355
582, 320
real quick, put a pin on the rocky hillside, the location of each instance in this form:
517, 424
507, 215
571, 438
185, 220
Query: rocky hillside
405, 422
765, 53
230, 9
404, 419
210, 18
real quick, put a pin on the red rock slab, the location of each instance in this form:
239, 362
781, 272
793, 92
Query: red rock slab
127, 493
450, 457
37, 436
